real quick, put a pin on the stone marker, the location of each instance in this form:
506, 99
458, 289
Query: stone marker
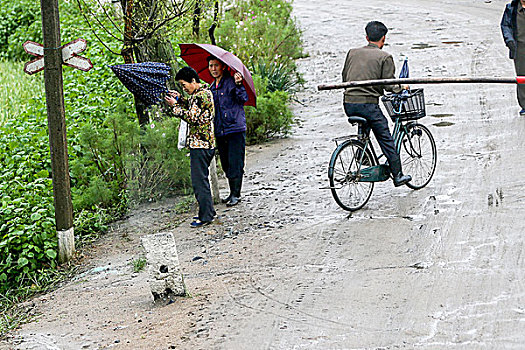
165, 278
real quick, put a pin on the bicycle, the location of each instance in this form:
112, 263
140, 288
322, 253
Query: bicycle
355, 167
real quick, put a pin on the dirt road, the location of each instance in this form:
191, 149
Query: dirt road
288, 269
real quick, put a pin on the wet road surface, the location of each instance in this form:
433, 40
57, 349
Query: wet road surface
437, 268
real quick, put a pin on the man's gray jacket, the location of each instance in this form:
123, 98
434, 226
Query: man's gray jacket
368, 63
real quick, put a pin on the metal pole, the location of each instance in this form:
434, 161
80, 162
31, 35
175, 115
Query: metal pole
57, 129
408, 81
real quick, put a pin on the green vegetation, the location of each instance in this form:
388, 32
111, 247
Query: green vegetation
16, 90
138, 264
114, 163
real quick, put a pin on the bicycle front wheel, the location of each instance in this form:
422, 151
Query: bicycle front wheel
344, 175
418, 155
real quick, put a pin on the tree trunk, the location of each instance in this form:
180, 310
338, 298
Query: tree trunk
127, 54
197, 18
211, 31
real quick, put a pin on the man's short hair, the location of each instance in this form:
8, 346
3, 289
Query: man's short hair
211, 57
375, 30
187, 74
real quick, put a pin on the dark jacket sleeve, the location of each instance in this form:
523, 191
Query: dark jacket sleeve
507, 30
239, 94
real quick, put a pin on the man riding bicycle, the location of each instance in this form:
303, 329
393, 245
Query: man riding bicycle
368, 63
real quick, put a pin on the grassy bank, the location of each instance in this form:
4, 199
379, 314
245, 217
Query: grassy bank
16, 88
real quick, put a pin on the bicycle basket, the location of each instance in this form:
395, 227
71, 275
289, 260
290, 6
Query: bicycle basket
407, 106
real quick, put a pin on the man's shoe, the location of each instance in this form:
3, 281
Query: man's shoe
233, 201
400, 179
197, 223
522, 112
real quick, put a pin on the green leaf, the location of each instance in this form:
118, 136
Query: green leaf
22, 262
51, 254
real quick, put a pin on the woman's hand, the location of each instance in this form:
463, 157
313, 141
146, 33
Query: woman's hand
238, 78
172, 97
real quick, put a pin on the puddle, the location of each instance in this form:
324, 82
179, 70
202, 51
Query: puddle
443, 124
444, 115
452, 42
421, 46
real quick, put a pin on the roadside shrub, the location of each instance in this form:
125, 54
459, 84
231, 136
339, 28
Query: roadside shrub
261, 30
123, 158
19, 21
279, 76
26, 210
270, 119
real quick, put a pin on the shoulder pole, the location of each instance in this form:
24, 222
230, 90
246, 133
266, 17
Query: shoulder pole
409, 81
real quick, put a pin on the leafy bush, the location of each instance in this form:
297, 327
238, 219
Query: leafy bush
279, 76
261, 30
26, 211
123, 158
271, 118
19, 21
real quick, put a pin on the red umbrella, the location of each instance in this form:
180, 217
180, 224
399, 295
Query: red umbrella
195, 56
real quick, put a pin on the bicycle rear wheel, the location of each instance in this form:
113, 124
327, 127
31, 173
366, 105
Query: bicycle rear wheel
418, 155
343, 173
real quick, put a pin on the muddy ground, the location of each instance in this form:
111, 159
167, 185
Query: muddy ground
288, 269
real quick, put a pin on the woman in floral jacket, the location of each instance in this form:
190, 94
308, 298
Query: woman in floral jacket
198, 111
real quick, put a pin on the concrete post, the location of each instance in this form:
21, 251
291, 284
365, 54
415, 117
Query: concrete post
165, 278
214, 181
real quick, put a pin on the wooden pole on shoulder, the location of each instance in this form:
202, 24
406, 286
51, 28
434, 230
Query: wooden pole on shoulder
409, 81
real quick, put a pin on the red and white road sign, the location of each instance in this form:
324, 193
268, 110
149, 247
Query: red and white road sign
79, 62
73, 48
37, 50
70, 56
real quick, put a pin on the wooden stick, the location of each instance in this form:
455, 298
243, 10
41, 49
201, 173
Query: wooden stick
408, 81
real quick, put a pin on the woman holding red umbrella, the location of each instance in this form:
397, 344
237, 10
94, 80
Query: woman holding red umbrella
229, 96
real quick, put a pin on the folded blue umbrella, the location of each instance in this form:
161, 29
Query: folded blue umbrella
146, 80
404, 70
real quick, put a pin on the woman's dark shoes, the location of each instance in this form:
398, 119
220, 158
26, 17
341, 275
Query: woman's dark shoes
227, 199
233, 201
197, 223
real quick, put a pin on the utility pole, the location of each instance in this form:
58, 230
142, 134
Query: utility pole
57, 129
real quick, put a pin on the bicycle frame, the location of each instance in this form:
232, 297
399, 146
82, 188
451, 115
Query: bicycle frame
380, 172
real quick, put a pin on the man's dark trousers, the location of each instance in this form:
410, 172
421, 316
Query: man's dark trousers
379, 125
200, 160
231, 149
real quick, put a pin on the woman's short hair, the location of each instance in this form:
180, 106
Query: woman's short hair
187, 74
375, 30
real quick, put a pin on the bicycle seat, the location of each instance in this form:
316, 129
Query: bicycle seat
356, 119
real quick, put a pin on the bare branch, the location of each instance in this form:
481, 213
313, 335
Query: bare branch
102, 25
108, 16
94, 33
